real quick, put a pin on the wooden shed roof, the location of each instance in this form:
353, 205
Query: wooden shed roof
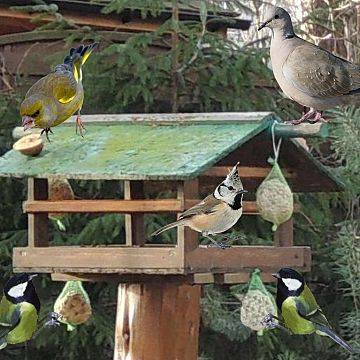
89, 12
152, 147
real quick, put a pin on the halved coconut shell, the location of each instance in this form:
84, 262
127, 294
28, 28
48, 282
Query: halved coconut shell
30, 145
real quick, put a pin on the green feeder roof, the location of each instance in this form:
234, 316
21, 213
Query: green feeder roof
142, 147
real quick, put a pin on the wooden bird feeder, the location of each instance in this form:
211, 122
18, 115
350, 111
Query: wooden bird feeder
159, 291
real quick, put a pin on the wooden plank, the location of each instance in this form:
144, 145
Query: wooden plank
123, 206
247, 172
304, 130
196, 278
107, 259
38, 224
238, 258
134, 223
284, 234
169, 312
144, 260
203, 278
187, 238
239, 278
104, 206
165, 118
122, 278
102, 21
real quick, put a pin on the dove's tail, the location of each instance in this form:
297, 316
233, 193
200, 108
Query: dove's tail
77, 58
323, 330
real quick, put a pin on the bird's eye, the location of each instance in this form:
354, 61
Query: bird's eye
276, 16
36, 113
231, 188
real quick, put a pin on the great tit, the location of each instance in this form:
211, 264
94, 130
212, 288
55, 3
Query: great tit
58, 95
19, 309
217, 213
299, 310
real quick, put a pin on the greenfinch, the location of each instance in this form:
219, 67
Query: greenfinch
58, 95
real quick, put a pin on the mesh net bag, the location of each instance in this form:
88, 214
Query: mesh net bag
256, 304
274, 198
73, 304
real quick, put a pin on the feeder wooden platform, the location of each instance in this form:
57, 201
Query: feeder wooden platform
188, 155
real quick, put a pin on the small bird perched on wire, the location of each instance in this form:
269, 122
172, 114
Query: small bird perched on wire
19, 310
299, 310
58, 95
217, 213
308, 74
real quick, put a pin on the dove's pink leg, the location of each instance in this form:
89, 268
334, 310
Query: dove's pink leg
312, 116
318, 117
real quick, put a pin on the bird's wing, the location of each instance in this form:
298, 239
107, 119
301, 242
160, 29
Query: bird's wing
64, 87
319, 73
5, 328
60, 83
311, 311
207, 206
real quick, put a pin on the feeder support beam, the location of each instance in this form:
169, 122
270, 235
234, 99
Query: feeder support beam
38, 224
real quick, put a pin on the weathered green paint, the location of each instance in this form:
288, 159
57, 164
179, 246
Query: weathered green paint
133, 151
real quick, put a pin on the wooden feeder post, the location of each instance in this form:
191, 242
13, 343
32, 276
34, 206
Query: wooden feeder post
157, 319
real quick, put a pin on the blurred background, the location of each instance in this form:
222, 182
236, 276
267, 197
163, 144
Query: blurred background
186, 56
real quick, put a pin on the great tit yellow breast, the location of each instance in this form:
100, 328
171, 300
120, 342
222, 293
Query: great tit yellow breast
292, 319
26, 328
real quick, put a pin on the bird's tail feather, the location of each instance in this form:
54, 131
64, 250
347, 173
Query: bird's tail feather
167, 227
328, 332
78, 56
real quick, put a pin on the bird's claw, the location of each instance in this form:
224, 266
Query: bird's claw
47, 131
268, 322
53, 320
220, 245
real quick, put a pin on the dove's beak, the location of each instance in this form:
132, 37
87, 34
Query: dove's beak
28, 122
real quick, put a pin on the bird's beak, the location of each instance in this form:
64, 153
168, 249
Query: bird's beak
276, 275
243, 191
28, 122
32, 276
264, 24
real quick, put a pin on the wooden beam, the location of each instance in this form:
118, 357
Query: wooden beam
101, 21
158, 260
284, 234
238, 258
104, 206
134, 223
247, 172
197, 278
107, 259
187, 239
304, 130
163, 118
38, 224
169, 312
123, 206
239, 278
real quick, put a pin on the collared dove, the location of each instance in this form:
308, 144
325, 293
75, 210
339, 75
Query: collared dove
308, 74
